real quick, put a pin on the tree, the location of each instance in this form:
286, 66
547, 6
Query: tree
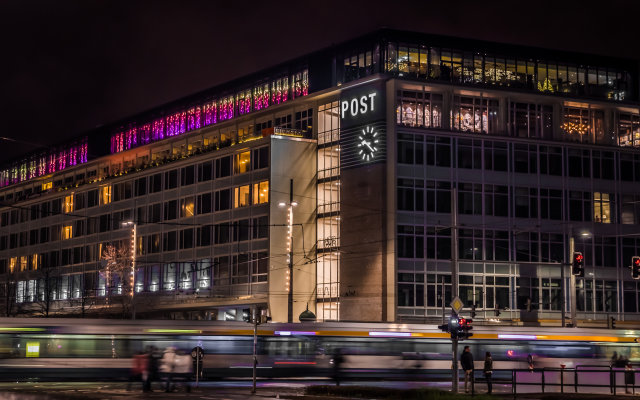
117, 274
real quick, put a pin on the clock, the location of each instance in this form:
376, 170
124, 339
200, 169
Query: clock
368, 143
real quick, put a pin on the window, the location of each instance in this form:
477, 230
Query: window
67, 232
169, 276
531, 120
24, 263
187, 207
204, 203
304, 120
155, 183
261, 192
601, 208
13, 263
47, 186
419, 109
474, 114
629, 130
583, 125
68, 204
186, 239
141, 186
261, 158
223, 167
169, 241
170, 210
171, 179
242, 162
187, 175
241, 196
105, 195
222, 200
205, 171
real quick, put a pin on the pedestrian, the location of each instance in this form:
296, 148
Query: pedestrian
153, 360
614, 359
530, 362
338, 359
488, 371
167, 366
466, 361
629, 377
139, 369
182, 369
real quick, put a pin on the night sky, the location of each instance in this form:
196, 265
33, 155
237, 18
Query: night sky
68, 67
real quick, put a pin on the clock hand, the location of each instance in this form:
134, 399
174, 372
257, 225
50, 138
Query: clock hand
370, 148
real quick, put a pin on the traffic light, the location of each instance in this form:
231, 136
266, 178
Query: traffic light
473, 311
612, 323
635, 267
577, 267
444, 327
453, 324
464, 328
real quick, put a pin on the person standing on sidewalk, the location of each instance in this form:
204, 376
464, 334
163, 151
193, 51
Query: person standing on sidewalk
466, 361
488, 371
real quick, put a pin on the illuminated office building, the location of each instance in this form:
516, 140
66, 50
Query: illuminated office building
377, 134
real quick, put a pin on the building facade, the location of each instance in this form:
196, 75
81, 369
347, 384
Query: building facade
371, 181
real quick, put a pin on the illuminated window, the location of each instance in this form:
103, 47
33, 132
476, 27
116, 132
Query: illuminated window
24, 263
187, 208
13, 262
242, 162
601, 208
47, 186
105, 195
35, 261
68, 203
261, 192
241, 196
67, 232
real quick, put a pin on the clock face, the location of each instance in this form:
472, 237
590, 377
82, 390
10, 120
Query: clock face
368, 143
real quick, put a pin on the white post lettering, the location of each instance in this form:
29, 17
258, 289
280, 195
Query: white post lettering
354, 107
371, 96
344, 106
363, 104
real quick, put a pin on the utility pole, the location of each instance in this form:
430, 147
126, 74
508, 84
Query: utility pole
454, 283
290, 227
254, 319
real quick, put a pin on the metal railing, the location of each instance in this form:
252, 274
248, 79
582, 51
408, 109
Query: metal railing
568, 379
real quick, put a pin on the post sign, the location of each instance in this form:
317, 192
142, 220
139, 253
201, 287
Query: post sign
362, 126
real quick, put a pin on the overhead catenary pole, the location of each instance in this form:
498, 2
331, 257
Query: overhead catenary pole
290, 227
454, 284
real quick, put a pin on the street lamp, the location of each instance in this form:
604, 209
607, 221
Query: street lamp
134, 234
292, 203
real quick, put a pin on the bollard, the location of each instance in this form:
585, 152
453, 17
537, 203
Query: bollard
542, 380
562, 380
575, 380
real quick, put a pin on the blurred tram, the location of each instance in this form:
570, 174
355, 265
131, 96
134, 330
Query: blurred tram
85, 349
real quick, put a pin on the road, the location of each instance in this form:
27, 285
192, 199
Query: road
232, 390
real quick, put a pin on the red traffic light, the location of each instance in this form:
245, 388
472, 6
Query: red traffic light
578, 257
636, 261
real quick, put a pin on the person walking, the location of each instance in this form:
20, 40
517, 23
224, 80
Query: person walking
139, 369
629, 378
530, 362
167, 365
488, 371
466, 361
